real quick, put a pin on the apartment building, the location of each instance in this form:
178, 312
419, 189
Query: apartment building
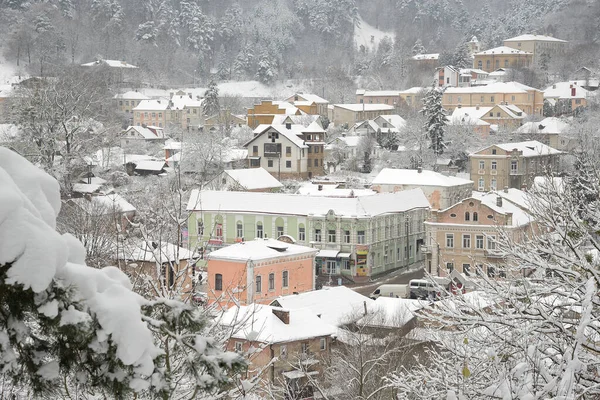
537, 45
502, 57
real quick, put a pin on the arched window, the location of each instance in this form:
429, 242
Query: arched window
239, 229
467, 216
475, 216
259, 230
218, 282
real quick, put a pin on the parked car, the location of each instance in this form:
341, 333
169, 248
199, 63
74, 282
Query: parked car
421, 289
398, 291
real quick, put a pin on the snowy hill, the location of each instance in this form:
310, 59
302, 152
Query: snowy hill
368, 36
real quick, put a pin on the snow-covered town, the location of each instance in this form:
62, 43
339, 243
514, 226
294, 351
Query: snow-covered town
300, 199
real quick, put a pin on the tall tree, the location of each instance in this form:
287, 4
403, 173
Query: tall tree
435, 120
211, 100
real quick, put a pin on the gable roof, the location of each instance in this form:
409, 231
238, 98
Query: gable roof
357, 107
131, 95
293, 204
393, 176
311, 98
335, 306
149, 165
146, 133
387, 312
253, 178
564, 90
547, 125
530, 148
260, 249
497, 87
110, 63
292, 134
394, 119
258, 322
152, 105
430, 56
179, 102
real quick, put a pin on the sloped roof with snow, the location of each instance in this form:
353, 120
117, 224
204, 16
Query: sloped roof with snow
497, 87
336, 305
311, 189
312, 98
146, 252
257, 322
563, 90
179, 102
260, 249
149, 165
501, 50
306, 119
387, 312
110, 63
292, 134
144, 132
430, 56
520, 216
468, 115
392, 176
531, 148
527, 37
547, 125
131, 95
253, 178
293, 204
152, 105
395, 120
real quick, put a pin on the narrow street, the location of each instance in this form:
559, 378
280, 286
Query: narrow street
396, 277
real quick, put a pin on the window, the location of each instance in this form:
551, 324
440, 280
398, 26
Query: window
360, 237
491, 242
331, 236
254, 162
271, 281
240, 230
493, 151
494, 165
270, 163
479, 242
466, 241
317, 235
514, 167
305, 348
479, 64
302, 233
259, 230
450, 267
288, 164
478, 269
481, 164
218, 282
467, 269
255, 149
397, 253
331, 267
491, 114
481, 184
475, 217
346, 265
323, 344
493, 184
309, 150
482, 99
491, 271
279, 231
467, 216
195, 111
346, 236
316, 149
498, 114
219, 231
506, 64
309, 162
449, 240
288, 150
239, 347
258, 284
283, 351
492, 99
285, 279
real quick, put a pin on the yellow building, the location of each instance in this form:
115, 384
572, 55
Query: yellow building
537, 45
309, 103
500, 115
502, 57
528, 99
398, 98
512, 165
262, 114
349, 114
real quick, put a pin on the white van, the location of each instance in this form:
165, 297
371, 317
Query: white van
397, 291
420, 288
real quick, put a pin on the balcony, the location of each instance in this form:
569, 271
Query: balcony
493, 254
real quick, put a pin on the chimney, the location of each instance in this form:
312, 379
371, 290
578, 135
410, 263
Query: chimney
571, 86
505, 189
419, 170
283, 315
365, 307
190, 95
553, 86
573, 91
320, 187
499, 201
459, 106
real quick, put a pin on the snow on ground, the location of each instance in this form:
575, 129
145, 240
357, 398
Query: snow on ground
9, 73
368, 36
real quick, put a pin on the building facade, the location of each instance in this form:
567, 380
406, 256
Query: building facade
512, 165
502, 57
538, 45
356, 236
264, 112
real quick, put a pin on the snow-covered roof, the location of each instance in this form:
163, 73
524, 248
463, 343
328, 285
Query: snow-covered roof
96, 180
292, 133
357, 107
469, 115
392, 176
350, 141
260, 249
152, 105
313, 98
501, 50
110, 63
394, 119
387, 312
311, 189
335, 306
531, 148
86, 187
233, 154
258, 323
131, 95
547, 125
148, 251
474, 70
431, 56
149, 165
526, 37
378, 93
253, 178
306, 119
179, 102
146, 133
105, 204
172, 145
519, 216
564, 90
497, 87
293, 204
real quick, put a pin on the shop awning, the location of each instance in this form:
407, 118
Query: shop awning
344, 255
328, 253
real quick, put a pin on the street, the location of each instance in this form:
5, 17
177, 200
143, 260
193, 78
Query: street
396, 277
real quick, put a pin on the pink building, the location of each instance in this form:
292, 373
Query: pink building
259, 271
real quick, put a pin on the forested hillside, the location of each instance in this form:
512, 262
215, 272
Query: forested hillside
182, 42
